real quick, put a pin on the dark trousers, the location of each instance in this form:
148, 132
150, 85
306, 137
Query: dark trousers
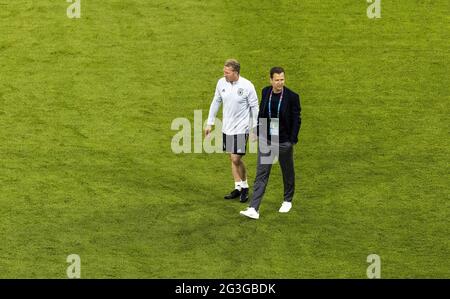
265, 162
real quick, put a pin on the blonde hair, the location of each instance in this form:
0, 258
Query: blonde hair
234, 64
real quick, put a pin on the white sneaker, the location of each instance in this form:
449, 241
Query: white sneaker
285, 207
250, 213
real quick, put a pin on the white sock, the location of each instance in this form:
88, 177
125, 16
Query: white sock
244, 184
237, 185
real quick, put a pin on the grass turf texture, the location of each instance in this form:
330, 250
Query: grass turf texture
86, 166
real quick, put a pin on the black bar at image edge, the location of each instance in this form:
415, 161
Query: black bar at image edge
224, 287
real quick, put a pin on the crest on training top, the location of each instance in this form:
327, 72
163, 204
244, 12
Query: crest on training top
240, 92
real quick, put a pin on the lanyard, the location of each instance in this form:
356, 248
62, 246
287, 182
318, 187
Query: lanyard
279, 103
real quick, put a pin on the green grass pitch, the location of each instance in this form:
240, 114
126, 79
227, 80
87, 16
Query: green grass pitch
86, 166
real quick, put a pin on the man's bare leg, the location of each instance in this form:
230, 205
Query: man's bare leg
236, 167
235, 170
240, 176
242, 170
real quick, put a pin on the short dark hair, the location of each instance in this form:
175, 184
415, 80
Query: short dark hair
234, 64
276, 70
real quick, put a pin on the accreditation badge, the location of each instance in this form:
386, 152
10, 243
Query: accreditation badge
274, 126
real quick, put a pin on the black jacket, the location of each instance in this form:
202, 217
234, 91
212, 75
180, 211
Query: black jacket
290, 112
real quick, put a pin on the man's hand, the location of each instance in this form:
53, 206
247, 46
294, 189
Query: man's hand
208, 130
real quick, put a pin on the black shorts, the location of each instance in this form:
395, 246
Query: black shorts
235, 144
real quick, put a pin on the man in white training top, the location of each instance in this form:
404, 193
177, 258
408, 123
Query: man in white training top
240, 116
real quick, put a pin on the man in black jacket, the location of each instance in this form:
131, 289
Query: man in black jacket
279, 122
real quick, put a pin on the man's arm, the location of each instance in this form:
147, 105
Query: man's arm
213, 109
261, 107
254, 109
296, 118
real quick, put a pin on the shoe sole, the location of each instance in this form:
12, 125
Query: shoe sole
244, 201
255, 218
227, 197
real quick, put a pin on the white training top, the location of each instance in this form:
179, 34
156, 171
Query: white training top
240, 106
